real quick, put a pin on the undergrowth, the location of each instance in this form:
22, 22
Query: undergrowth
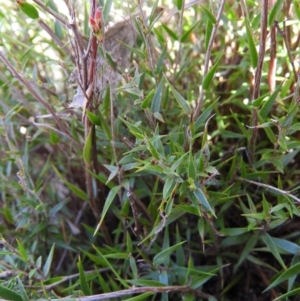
149, 152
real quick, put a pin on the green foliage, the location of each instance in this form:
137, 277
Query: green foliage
162, 179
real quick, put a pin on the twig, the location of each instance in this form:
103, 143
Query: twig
52, 12
140, 290
258, 73
287, 193
273, 58
55, 38
146, 38
287, 45
207, 59
30, 88
179, 52
42, 125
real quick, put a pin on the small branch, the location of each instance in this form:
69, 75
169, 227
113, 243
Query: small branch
258, 73
287, 193
52, 12
180, 28
31, 89
273, 61
31, 119
146, 38
207, 59
262, 49
140, 290
55, 38
287, 45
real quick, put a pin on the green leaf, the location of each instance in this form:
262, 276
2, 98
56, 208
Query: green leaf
164, 255
172, 34
168, 187
188, 32
83, 281
203, 117
153, 16
267, 106
251, 243
276, 9
257, 102
22, 251
286, 245
202, 200
199, 281
133, 267
152, 149
181, 101
87, 149
208, 32
22, 290
208, 14
134, 130
134, 50
94, 119
210, 74
141, 297
9, 294
251, 45
106, 10
297, 9
191, 166
179, 4
145, 282
47, 266
117, 275
111, 196
155, 105
147, 100
104, 125
272, 247
80, 193
29, 9
290, 272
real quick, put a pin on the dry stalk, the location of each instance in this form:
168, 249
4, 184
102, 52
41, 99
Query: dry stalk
140, 290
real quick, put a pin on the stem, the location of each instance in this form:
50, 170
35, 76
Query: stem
258, 73
33, 91
287, 193
207, 59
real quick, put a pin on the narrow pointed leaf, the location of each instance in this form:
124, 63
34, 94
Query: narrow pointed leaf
251, 45
29, 9
113, 192
22, 290
164, 255
210, 74
106, 10
47, 266
290, 272
208, 14
123, 282
155, 105
9, 294
83, 282
87, 149
181, 101
276, 9
273, 249
202, 200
